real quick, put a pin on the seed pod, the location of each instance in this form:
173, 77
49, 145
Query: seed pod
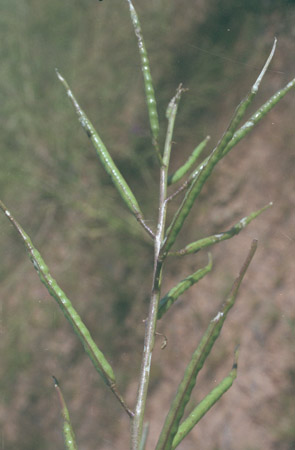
227, 142
179, 173
204, 406
69, 436
196, 363
98, 359
145, 66
104, 156
171, 297
194, 247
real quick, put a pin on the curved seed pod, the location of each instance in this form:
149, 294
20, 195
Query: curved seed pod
179, 173
194, 247
242, 107
96, 356
104, 156
167, 301
196, 363
69, 436
145, 66
205, 405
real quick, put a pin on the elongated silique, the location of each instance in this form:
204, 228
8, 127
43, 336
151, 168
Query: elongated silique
96, 356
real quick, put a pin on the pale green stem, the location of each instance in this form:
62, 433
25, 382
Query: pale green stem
137, 422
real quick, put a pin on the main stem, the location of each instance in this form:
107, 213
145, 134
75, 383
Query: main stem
151, 323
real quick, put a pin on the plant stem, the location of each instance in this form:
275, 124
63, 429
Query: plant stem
151, 323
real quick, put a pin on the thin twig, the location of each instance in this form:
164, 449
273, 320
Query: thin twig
137, 424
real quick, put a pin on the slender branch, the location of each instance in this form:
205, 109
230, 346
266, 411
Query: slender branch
144, 436
137, 423
145, 226
179, 190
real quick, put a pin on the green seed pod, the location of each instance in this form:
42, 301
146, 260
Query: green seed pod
228, 141
205, 405
98, 359
145, 66
179, 173
104, 156
171, 297
69, 436
197, 361
194, 247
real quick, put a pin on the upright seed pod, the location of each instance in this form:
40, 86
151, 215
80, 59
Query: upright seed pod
145, 66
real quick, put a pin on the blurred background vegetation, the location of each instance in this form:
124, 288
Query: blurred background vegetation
51, 180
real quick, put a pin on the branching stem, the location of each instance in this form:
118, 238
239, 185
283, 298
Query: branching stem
137, 423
